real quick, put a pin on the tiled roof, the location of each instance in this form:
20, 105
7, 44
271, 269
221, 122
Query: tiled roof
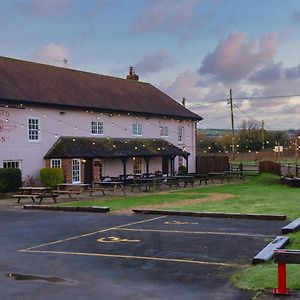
39, 84
87, 147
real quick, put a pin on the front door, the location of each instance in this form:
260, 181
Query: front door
88, 171
165, 165
76, 174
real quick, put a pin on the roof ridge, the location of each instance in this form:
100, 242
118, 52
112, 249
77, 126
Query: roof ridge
70, 69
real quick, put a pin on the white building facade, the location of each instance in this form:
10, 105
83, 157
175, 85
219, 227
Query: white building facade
29, 128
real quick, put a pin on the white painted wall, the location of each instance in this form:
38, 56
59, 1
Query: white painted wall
14, 143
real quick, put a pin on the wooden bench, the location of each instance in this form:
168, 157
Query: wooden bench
23, 196
69, 192
36, 193
111, 186
73, 189
283, 257
169, 181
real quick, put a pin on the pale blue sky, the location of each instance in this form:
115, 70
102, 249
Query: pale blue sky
197, 49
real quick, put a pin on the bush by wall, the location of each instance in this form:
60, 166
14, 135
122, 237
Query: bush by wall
51, 177
182, 170
10, 180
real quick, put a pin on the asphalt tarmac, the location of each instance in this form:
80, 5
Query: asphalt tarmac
56, 255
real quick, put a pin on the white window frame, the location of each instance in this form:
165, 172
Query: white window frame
76, 173
11, 163
97, 128
164, 130
55, 163
137, 161
180, 134
137, 129
180, 161
38, 130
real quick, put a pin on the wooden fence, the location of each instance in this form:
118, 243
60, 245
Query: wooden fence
269, 167
212, 163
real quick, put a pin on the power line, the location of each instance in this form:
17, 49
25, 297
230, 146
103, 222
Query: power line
266, 97
243, 98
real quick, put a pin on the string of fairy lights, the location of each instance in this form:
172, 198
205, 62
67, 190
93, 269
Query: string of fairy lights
106, 119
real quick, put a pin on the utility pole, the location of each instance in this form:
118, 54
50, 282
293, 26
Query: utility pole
232, 126
262, 135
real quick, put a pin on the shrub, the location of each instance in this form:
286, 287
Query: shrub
182, 170
10, 180
51, 177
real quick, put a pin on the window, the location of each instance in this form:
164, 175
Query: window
34, 129
180, 134
15, 164
76, 170
55, 163
137, 165
136, 129
164, 131
97, 127
180, 161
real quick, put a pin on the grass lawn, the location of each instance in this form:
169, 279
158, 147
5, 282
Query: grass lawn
259, 194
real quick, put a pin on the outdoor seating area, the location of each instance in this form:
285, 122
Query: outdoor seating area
120, 186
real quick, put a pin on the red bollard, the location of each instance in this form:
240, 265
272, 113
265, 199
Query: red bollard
281, 290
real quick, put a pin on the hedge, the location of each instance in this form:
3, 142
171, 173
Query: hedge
51, 177
10, 180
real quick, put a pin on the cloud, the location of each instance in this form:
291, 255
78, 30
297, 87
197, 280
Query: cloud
296, 17
237, 57
51, 54
268, 74
154, 62
167, 15
184, 86
43, 7
293, 73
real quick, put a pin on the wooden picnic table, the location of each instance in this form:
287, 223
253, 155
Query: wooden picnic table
202, 177
34, 192
108, 186
73, 189
186, 179
150, 183
218, 175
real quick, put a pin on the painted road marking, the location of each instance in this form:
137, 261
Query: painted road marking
113, 239
189, 261
92, 233
196, 232
180, 223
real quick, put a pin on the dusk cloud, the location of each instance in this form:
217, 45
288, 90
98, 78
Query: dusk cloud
167, 15
237, 57
296, 17
268, 74
43, 7
184, 86
154, 62
51, 54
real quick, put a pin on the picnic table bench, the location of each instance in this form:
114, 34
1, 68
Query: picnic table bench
108, 186
73, 189
218, 175
34, 193
169, 181
186, 179
150, 183
202, 177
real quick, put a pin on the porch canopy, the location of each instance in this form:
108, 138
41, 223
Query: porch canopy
123, 148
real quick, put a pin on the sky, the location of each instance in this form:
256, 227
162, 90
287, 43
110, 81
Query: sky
196, 49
